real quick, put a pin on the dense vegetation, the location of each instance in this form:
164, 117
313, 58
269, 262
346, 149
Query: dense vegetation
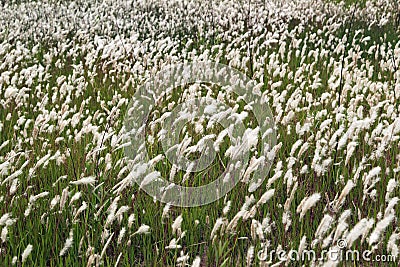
68, 69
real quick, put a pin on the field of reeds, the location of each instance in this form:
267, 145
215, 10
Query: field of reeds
69, 191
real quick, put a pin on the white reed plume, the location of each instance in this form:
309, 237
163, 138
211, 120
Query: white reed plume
64, 196
131, 219
91, 180
82, 208
256, 230
68, 243
33, 199
288, 201
120, 213
346, 190
7, 220
165, 213
250, 256
391, 186
143, 229
227, 207
75, 197
307, 203
265, 197
196, 262
219, 222
358, 230
342, 224
121, 235
392, 247
26, 253
173, 244
176, 225
111, 211
390, 207
351, 147
4, 233
324, 226
149, 178
302, 245
103, 251
380, 228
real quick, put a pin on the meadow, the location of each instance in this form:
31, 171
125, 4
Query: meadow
329, 71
